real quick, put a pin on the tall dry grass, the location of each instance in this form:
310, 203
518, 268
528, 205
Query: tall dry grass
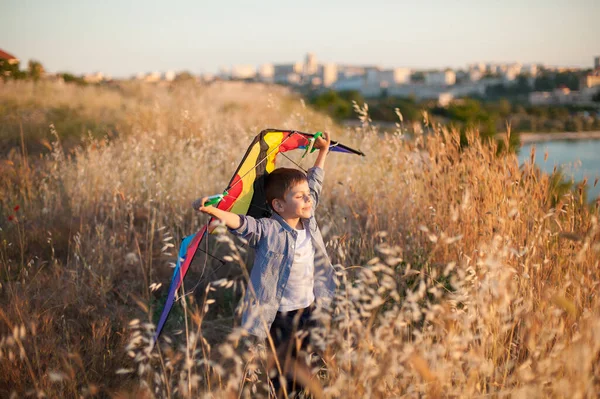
459, 274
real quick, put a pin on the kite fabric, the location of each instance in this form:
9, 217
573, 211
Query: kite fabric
245, 195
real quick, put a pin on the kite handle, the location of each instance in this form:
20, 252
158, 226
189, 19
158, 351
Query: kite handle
311, 144
314, 139
215, 199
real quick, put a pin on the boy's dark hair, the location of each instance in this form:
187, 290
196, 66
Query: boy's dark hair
278, 182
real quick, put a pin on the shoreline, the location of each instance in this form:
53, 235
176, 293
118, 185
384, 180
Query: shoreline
526, 138
529, 138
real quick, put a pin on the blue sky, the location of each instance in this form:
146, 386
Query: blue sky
124, 37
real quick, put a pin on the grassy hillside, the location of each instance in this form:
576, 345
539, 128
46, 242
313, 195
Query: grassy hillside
460, 273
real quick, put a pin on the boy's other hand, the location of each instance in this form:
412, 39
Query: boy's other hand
323, 142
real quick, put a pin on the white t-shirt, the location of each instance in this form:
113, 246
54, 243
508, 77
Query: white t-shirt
298, 292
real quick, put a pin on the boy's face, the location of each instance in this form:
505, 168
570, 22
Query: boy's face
297, 202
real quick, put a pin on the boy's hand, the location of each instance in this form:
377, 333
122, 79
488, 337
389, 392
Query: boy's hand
199, 206
231, 220
323, 142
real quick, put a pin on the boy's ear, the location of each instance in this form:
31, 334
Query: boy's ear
277, 205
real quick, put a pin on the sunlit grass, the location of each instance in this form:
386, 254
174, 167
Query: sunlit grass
459, 274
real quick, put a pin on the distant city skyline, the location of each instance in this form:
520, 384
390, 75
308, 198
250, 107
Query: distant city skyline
125, 38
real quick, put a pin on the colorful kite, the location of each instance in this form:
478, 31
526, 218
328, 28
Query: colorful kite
245, 194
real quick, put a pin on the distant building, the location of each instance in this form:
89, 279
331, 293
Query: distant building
396, 76
329, 74
169, 76
387, 77
368, 87
356, 82
422, 92
372, 81
596, 62
310, 65
444, 78
152, 77
8, 58
288, 73
478, 67
561, 69
475, 75
348, 71
590, 80
587, 94
373, 75
540, 98
493, 69
289, 79
315, 81
560, 96
531, 70
470, 88
94, 77
511, 71
266, 72
564, 96
285, 69
243, 72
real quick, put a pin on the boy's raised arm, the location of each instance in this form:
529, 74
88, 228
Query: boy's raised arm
244, 226
322, 144
316, 173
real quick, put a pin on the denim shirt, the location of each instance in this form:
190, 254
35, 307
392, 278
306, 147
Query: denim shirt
274, 241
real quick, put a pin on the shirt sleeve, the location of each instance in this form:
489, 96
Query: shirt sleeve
315, 184
251, 229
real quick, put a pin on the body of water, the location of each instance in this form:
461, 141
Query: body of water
578, 158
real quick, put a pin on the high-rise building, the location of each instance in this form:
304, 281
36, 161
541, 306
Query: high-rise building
330, 74
596, 62
310, 64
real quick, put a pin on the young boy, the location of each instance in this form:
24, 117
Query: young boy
291, 268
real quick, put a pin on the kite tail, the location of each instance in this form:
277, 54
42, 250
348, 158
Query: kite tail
187, 250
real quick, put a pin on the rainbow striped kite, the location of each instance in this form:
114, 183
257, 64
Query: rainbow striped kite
245, 194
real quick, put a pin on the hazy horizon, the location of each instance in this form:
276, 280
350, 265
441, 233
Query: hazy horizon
122, 39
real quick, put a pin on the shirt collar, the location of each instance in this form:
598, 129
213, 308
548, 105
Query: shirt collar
286, 226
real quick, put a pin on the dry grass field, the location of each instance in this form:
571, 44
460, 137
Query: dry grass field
462, 273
